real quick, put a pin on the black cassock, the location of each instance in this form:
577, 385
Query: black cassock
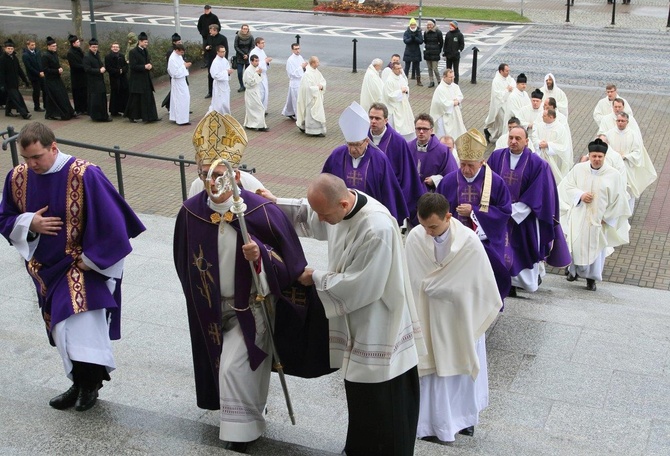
141, 102
10, 72
117, 68
56, 101
95, 82
75, 57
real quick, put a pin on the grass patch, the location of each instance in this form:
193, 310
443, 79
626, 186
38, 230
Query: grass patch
471, 14
436, 12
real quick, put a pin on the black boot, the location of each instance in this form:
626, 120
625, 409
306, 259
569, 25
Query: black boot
86, 399
591, 284
65, 400
89, 377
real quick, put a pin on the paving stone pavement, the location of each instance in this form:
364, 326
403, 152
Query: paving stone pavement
286, 160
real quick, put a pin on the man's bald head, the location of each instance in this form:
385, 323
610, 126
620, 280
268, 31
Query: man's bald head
330, 198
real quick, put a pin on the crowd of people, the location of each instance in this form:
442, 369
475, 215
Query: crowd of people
413, 214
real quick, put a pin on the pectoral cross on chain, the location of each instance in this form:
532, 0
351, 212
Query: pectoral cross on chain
353, 178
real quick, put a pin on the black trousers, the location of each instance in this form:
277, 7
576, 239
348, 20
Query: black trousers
383, 416
88, 375
38, 87
452, 63
416, 69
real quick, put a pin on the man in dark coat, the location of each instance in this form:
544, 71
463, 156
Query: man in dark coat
95, 81
10, 72
214, 40
453, 46
141, 102
412, 56
75, 57
204, 21
32, 61
117, 69
433, 42
56, 101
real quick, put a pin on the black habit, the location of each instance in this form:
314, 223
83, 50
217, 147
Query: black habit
56, 101
141, 102
97, 92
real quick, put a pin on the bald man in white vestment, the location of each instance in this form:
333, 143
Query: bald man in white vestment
371, 90
554, 145
310, 113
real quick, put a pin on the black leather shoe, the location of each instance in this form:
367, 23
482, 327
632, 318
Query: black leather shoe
65, 400
591, 284
469, 431
571, 278
133, 120
241, 89
209, 95
512, 292
38, 110
86, 399
431, 85
10, 114
27, 116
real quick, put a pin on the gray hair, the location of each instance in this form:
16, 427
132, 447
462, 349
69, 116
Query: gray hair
377, 61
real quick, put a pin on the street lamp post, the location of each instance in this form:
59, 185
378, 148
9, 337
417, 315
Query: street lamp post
94, 32
177, 19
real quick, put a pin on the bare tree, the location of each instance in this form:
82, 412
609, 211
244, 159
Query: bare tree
76, 17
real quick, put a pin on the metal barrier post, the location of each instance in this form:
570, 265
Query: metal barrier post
473, 79
567, 14
119, 172
297, 39
668, 17
354, 64
613, 11
12, 146
182, 175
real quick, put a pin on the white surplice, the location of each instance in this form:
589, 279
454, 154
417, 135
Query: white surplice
557, 94
639, 167
254, 116
448, 117
310, 113
497, 116
294, 71
455, 309
604, 107
265, 86
517, 103
558, 152
180, 96
221, 86
374, 330
593, 228
401, 116
609, 122
371, 90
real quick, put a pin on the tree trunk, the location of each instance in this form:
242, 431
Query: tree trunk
76, 17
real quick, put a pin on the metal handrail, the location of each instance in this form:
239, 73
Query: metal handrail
115, 152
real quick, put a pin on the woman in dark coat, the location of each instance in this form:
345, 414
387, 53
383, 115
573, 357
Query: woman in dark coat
56, 101
412, 56
244, 43
454, 42
433, 41
95, 82
117, 69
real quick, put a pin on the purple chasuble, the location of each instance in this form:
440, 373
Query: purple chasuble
97, 222
373, 176
457, 190
197, 263
397, 151
437, 159
532, 183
